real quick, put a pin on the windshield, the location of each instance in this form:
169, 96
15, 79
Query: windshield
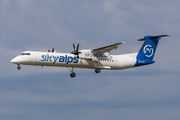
22, 54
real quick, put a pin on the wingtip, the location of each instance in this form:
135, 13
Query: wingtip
166, 35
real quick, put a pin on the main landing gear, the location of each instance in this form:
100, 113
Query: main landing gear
18, 67
97, 70
72, 73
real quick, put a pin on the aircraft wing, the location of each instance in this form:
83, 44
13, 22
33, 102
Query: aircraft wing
106, 48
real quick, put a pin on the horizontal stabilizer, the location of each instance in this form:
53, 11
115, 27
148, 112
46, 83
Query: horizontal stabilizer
152, 37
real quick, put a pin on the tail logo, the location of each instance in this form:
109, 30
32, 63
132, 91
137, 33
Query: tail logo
148, 50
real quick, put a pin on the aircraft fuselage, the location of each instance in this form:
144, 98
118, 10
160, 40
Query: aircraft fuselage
116, 62
93, 59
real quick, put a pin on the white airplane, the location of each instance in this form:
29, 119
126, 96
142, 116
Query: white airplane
93, 59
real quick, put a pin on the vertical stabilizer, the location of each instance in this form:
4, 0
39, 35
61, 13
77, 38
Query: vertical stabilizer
148, 49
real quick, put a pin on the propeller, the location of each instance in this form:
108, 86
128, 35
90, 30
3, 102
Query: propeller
52, 50
76, 52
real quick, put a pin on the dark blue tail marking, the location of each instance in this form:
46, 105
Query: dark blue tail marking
146, 54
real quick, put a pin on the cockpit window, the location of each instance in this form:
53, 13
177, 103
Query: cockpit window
25, 54
22, 54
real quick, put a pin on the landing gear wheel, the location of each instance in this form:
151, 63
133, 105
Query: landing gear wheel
73, 74
97, 70
18, 67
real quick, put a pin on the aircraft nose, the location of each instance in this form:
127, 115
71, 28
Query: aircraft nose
15, 60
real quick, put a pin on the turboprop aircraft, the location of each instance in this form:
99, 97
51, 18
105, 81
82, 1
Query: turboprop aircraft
93, 59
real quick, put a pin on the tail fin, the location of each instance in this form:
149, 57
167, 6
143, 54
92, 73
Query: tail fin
148, 49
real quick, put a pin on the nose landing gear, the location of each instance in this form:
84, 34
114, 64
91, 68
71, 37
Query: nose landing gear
72, 73
18, 67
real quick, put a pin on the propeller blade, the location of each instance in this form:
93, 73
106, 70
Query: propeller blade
74, 46
53, 49
77, 47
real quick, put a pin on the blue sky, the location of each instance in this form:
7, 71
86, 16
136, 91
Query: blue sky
149, 92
